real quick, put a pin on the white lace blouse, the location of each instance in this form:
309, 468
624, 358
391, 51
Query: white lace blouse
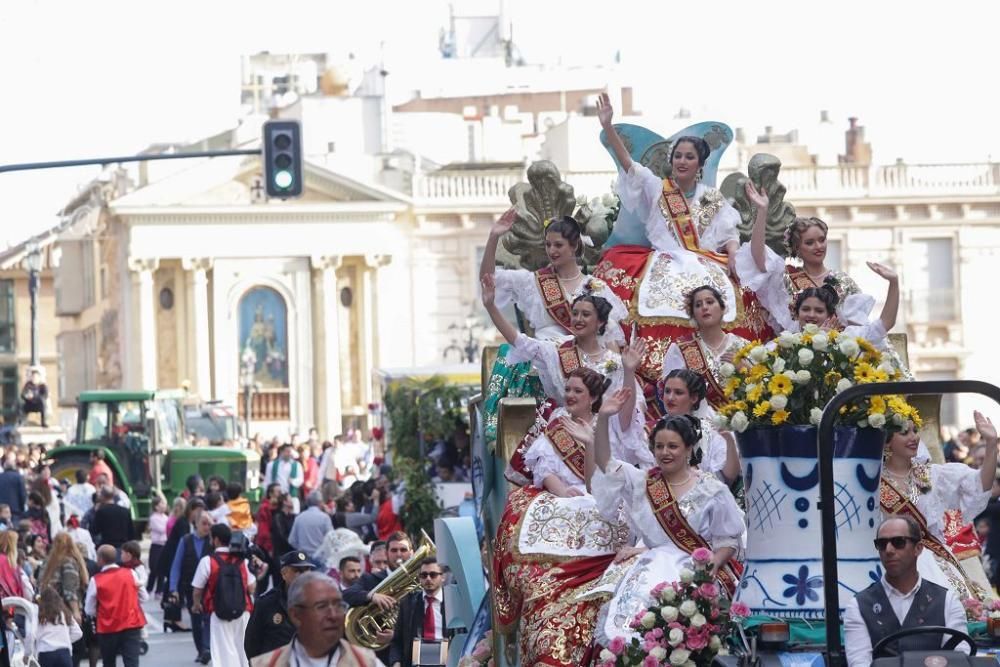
544, 356
708, 506
520, 287
953, 486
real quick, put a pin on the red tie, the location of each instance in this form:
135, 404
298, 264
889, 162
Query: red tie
429, 634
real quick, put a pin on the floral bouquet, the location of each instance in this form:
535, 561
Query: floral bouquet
685, 626
482, 654
791, 383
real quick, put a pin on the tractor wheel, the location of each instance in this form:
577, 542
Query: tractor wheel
65, 467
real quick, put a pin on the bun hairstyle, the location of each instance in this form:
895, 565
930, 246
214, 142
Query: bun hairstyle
569, 229
701, 147
794, 231
688, 427
601, 305
689, 299
827, 293
595, 383
695, 383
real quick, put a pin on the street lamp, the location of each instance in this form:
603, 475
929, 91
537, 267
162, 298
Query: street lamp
469, 329
248, 372
33, 262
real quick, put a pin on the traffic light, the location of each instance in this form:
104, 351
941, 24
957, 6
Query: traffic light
283, 158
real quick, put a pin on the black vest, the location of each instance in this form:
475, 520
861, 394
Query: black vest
927, 609
190, 560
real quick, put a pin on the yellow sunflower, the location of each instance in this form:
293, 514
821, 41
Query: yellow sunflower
780, 384
877, 405
757, 373
832, 378
881, 375
754, 393
867, 347
864, 373
779, 417
761, 409
732, 384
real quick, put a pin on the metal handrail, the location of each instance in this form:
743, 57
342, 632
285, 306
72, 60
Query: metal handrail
824, 438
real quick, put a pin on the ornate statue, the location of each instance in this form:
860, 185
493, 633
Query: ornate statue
763, 170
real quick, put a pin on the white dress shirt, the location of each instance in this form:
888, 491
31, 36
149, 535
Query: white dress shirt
857, 641
204, 570
438, 598
55, 636
90, 604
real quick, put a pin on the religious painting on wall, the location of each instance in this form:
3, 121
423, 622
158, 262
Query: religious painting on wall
263, 330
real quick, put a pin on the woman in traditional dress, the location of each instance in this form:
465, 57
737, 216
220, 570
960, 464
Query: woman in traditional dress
692, 230
552, 542
923, 491
543, 297
674, 508
708, 347
778, 284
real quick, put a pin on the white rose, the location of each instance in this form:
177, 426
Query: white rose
790, 375
843, 385
686, 577
675, 637
726, 369
815, 416
821, 341
698, 620
720, 421
898, 419
803, 377
877, 420
659, 653
811, 329
778, 366
609, 199
806, 356
668, 594
786, 339
758, 354
669, 614
581, 200
849, 346
679, 656
607, 656
648, 620
886, 367
863, 423
739, 422
688, 607
715, 643
778, 402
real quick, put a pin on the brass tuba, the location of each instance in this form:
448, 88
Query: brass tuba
364, 623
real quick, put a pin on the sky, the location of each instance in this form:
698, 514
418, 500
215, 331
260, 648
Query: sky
85, 78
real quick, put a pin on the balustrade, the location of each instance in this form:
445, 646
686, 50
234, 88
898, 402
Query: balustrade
267, 405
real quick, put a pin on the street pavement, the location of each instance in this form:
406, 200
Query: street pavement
166, 649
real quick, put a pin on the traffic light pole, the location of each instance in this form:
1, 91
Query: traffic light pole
104, 161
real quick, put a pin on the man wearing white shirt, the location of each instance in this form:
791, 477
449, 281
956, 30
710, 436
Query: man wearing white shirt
113, 598
421, 615
288, 473
900, 600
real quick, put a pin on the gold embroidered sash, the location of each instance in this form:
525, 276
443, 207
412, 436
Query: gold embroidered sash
894, 502
553, 297
569, 358
677, 212
668, 513
694, 359
569, 450
799, 279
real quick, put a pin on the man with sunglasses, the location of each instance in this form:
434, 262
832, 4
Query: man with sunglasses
421, 615
901, 599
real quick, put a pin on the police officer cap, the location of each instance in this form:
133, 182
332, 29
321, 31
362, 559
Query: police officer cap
297, 559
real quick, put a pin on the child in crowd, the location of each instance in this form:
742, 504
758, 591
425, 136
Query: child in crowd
56, 632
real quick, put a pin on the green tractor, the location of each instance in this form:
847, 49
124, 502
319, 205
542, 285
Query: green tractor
142, 434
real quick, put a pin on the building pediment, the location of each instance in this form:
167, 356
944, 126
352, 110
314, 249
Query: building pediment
222, 183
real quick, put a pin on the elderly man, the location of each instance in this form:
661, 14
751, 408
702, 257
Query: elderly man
270, 626
114, 597
317, 612
900, 600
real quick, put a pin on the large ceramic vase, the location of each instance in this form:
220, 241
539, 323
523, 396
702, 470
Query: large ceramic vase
784, 568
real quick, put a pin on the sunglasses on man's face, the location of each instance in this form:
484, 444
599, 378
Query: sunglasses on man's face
430, 575
898, 542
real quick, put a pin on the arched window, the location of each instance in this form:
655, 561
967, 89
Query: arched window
263, 353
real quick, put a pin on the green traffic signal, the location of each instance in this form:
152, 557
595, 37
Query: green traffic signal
283, 179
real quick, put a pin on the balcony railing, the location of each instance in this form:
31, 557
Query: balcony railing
267, 405
935, 305
490, 186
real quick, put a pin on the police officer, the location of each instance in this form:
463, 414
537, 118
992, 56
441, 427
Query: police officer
269, 627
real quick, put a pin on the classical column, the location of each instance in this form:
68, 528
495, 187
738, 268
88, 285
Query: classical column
369, 282
142, 277
198, 325
329, 399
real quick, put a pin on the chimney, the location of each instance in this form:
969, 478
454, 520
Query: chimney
857, 150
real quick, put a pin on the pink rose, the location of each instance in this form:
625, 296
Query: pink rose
714, 614
617, 645
657, 632
697, 640
739, 609
701, 555
650, 661
709, 591
658, 588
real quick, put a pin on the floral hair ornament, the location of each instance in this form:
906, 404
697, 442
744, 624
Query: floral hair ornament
786, 239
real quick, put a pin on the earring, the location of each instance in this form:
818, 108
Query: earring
701, 173
886, 454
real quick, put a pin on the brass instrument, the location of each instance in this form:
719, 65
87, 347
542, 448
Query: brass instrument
363, 624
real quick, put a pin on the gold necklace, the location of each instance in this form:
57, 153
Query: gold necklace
686, 480
719, 349
579, 273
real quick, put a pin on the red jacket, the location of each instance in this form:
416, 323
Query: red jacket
213, 576
386, 521
263, 539
118, 606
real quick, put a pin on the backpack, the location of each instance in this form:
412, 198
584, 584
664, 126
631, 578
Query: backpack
229, 598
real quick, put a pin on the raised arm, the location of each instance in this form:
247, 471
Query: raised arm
506, 329
987, 472
604, 113
760, 200
891, 307
612, 405
631, 358
499, 228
